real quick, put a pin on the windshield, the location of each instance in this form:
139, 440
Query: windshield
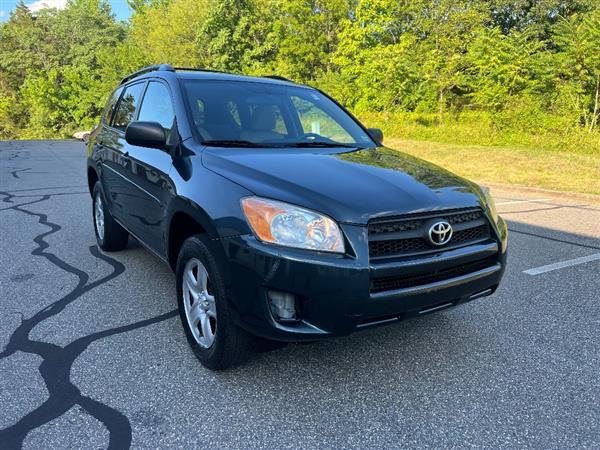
238, 113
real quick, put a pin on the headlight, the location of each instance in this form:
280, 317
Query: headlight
490, 203
284, 224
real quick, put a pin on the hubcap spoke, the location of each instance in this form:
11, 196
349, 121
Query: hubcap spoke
212, 308
191, 282
202, 278
196, 313
206, 330
188, 293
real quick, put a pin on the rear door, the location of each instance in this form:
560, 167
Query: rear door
148, 170
116, 163
103, 137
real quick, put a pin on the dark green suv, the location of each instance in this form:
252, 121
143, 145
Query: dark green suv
283, 217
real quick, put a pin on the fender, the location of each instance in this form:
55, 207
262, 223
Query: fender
189, 207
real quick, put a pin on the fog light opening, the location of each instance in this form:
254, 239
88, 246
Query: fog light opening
283, 306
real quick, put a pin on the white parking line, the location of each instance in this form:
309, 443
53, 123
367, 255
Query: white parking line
516, 202
562, 264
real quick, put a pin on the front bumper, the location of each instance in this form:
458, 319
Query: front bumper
333, 292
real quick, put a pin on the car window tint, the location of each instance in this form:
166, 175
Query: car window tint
268, 113
274, 110
110, 106
233, 111
315, 120
199, 117
216, 117
127, 106
157, 106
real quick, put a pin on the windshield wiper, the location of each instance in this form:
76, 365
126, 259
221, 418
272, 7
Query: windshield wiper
250, 144
233, 143
319, 144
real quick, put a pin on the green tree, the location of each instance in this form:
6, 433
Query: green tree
514, 60
21, 39
50, 77
305, 34
169, 31
60, 101
536, 16
578, 64
236, 35
501, 67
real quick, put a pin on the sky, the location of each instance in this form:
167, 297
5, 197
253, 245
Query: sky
119, 7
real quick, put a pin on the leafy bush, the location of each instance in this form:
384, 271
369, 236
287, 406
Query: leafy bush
509, 128
489, 72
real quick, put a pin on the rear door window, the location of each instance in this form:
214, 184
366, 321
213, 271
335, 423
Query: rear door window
128, 106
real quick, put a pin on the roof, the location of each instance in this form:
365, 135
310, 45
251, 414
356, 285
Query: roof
203, 74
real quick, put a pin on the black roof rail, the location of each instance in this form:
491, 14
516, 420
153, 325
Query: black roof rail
170, 68
166, 67
277, 77
199, 69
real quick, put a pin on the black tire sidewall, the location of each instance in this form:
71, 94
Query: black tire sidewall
97, 192
115, 236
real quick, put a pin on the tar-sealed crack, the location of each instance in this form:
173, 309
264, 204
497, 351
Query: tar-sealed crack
563, 241
57, 361
15, 173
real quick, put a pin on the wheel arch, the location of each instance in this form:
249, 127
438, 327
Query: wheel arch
185, 219
92, 178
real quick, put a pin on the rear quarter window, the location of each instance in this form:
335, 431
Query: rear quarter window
110, 106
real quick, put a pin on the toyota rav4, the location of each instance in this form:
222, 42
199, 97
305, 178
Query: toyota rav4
283, 217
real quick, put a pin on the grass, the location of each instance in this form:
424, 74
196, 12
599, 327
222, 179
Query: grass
559, 171
523, 129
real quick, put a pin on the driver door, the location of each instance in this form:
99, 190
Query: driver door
148, 170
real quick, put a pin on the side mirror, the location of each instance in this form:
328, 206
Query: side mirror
146, 134
376, 134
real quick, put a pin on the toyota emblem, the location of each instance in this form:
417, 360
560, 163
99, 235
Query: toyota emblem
440, 233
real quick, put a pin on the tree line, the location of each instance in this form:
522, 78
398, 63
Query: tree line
507, 64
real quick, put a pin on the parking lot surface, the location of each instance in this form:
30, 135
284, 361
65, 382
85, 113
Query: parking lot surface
92, 354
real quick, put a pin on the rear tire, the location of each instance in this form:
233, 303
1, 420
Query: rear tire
204, 309
109, 234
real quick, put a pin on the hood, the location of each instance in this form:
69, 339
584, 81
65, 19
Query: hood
349, 185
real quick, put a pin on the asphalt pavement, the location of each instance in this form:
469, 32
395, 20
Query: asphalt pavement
93, 356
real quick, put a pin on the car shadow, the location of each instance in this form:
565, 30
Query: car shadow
444, 340
482, 327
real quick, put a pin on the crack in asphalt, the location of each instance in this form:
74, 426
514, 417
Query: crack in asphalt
48, 188
9, 198
562, 241
15, 173
58, 361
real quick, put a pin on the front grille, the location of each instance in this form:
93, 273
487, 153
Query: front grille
397, 225
471, 234
402, 282
408, 236
397, 246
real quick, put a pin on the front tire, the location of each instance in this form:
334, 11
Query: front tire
204, 308
109, 234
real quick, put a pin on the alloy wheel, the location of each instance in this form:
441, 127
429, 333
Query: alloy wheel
99, 216
199, 303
